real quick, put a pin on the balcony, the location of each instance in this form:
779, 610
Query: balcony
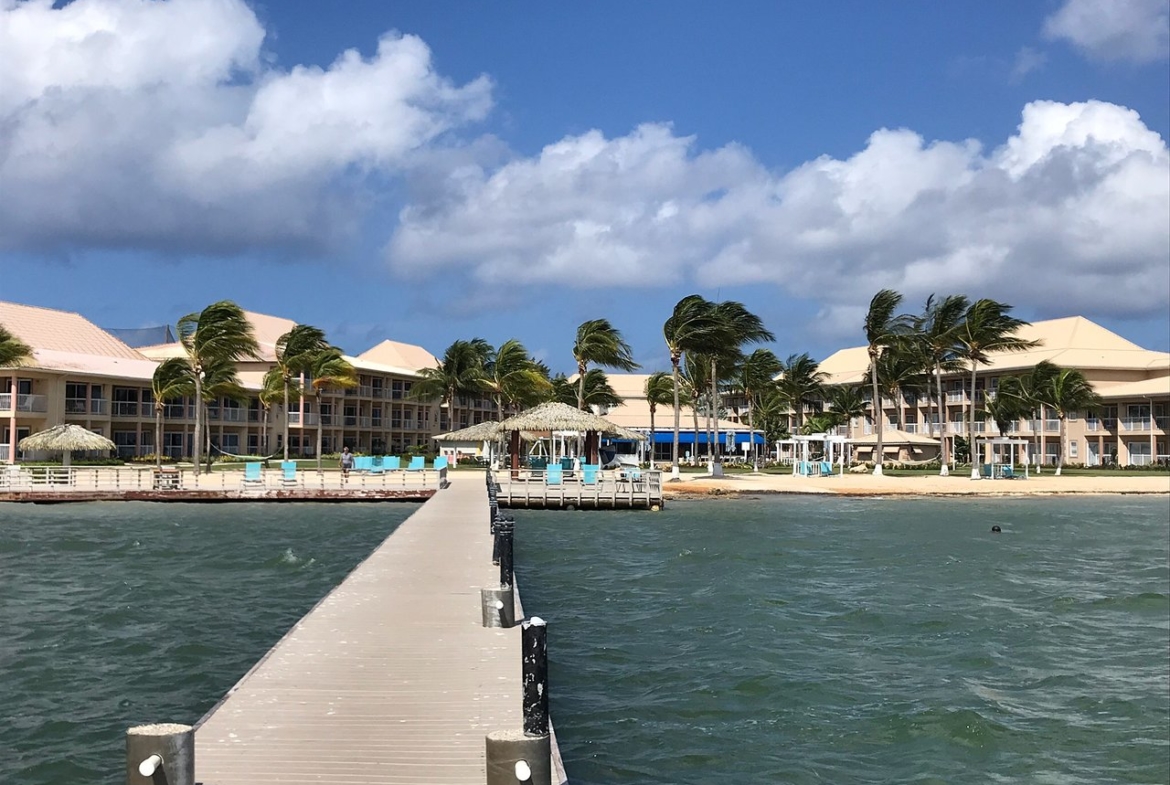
24, 403
1135, 424
956, 397
351, 421
3, 453
235, 415
377, 392
74, 405
125, 409
376, 422
99, 406
365, 391
176, 411
1092, 424
363, 422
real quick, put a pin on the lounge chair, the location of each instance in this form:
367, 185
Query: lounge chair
986, 471
826, 469
288, 472
553, 474
632, 475
253, 474
418, 463
537, 464
376, 466
391, 463
440, 463
567, 466
1008, 473
589, 473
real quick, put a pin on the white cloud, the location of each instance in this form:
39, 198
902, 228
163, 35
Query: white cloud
1133, 30
1070, 214
158, 124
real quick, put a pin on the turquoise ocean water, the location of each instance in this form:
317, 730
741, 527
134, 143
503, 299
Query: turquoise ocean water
770, 640
813, 640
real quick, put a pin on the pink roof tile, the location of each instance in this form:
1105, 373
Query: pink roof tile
61, 331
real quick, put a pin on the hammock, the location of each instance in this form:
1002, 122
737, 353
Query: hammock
238, 457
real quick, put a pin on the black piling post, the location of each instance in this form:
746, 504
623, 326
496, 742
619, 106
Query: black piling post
534, 666
505, 540
497, 525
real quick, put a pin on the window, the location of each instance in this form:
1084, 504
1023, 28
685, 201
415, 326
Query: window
76, 398
1073, 449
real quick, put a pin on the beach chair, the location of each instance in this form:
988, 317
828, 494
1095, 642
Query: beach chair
826, 469
1008, 473
253, 474
440, 463
376, 465
567, 466
537, 463
418, 463
363, 463
589, 473
986, 471
553, 474
288, 472
391, 463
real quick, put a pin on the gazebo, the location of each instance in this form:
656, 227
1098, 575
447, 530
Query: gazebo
556, 416
907, 447
828, 440
997, 466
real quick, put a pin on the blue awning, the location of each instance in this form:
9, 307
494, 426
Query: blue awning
688, 437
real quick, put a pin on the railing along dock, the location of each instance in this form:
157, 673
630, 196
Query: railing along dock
607, 490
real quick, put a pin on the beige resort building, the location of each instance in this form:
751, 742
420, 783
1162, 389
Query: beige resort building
82, 374
1130, 428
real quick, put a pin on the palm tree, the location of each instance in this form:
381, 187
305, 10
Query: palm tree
801, 382
273, 389
734, 326
772, 415
13, 351
294, 350
460, 372
847, 403
694, 380
902, 370
172, 379
1069, 391
219, 334
690, 328
600, 343
220, 382
987, 328
756, 373
659, 391
883, 329
328, 368
937, 329
513, 377
597, 390
1024, 395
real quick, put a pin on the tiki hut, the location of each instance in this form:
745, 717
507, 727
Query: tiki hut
66, 439
468, 441
899, 446
560, 417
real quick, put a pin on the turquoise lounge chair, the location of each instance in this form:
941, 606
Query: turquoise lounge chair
537, 464
418, 463
391, 463
986, 471
589, 473
553, 474
252, 474
826, 469
440, 463
288, 472
376, 466
1008, 473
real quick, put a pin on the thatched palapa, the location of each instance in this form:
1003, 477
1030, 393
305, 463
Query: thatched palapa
482, 432
66, 439
555, 416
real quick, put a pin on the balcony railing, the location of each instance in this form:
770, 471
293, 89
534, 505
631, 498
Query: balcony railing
1135, 423
99, 406
365, 391
125, 408
363, 422
1092, 424
234, 415
377, 392
74, 405
176, 411
24, 403
4, 452
351, 420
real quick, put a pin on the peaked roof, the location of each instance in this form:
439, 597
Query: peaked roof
61, 331
397, 355
895, 436
1070, 342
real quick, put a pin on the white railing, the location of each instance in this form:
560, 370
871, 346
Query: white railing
99, 406
235, 415
4, 453
365, 391
363, 422
1135, 424
24, 403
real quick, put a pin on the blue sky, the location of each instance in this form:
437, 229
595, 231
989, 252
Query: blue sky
512, 169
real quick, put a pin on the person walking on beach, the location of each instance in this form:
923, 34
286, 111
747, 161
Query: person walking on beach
346, 462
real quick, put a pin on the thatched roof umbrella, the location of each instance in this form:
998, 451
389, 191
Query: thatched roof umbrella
555, 416
482, 432
66, 439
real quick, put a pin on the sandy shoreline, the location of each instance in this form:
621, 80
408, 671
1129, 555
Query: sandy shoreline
1045, 484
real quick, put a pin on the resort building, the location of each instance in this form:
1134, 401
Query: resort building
1130, 428
82, 374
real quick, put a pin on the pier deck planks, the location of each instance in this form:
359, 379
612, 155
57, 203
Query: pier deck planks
390, 679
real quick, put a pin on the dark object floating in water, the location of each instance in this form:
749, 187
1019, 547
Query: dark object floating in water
996, 529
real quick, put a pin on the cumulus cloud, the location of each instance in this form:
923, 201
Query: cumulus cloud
1133, 30
160, 125
1072, 213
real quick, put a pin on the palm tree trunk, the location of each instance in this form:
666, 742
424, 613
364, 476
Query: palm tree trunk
158, 412
197, 442
320, 422
942, 422
581, 386
716, 461
1040, 422
652, 408
752, 436
207, 423
971, 426
286, 421
1063, 435
878, 417
264, 432
674, 475
695, 415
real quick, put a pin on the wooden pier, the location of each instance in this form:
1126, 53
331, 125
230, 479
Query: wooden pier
610, 490
392, 678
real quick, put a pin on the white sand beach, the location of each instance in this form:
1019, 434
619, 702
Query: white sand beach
929, 485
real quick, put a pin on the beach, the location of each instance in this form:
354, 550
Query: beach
958, 484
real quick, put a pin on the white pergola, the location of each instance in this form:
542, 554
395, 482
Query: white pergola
828, 440
999, 441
